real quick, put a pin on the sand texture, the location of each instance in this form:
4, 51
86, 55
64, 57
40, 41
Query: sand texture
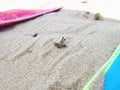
29, 59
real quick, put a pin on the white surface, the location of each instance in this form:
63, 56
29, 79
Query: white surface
107, 8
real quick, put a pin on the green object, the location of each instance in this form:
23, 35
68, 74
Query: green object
104, 68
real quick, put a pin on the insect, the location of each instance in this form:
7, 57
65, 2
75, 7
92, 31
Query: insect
61, 43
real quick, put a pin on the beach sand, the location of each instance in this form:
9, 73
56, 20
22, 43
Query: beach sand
33, 62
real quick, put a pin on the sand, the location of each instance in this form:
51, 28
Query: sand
29, 62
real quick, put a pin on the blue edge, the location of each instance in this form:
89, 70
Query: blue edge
112, 77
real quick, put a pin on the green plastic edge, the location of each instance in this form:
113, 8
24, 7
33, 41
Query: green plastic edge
104, 68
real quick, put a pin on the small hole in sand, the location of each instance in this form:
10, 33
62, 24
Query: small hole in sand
35, 35
87, 12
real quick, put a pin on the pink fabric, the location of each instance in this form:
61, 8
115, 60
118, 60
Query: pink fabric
16, 15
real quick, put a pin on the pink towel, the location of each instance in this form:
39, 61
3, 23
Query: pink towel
17, 15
